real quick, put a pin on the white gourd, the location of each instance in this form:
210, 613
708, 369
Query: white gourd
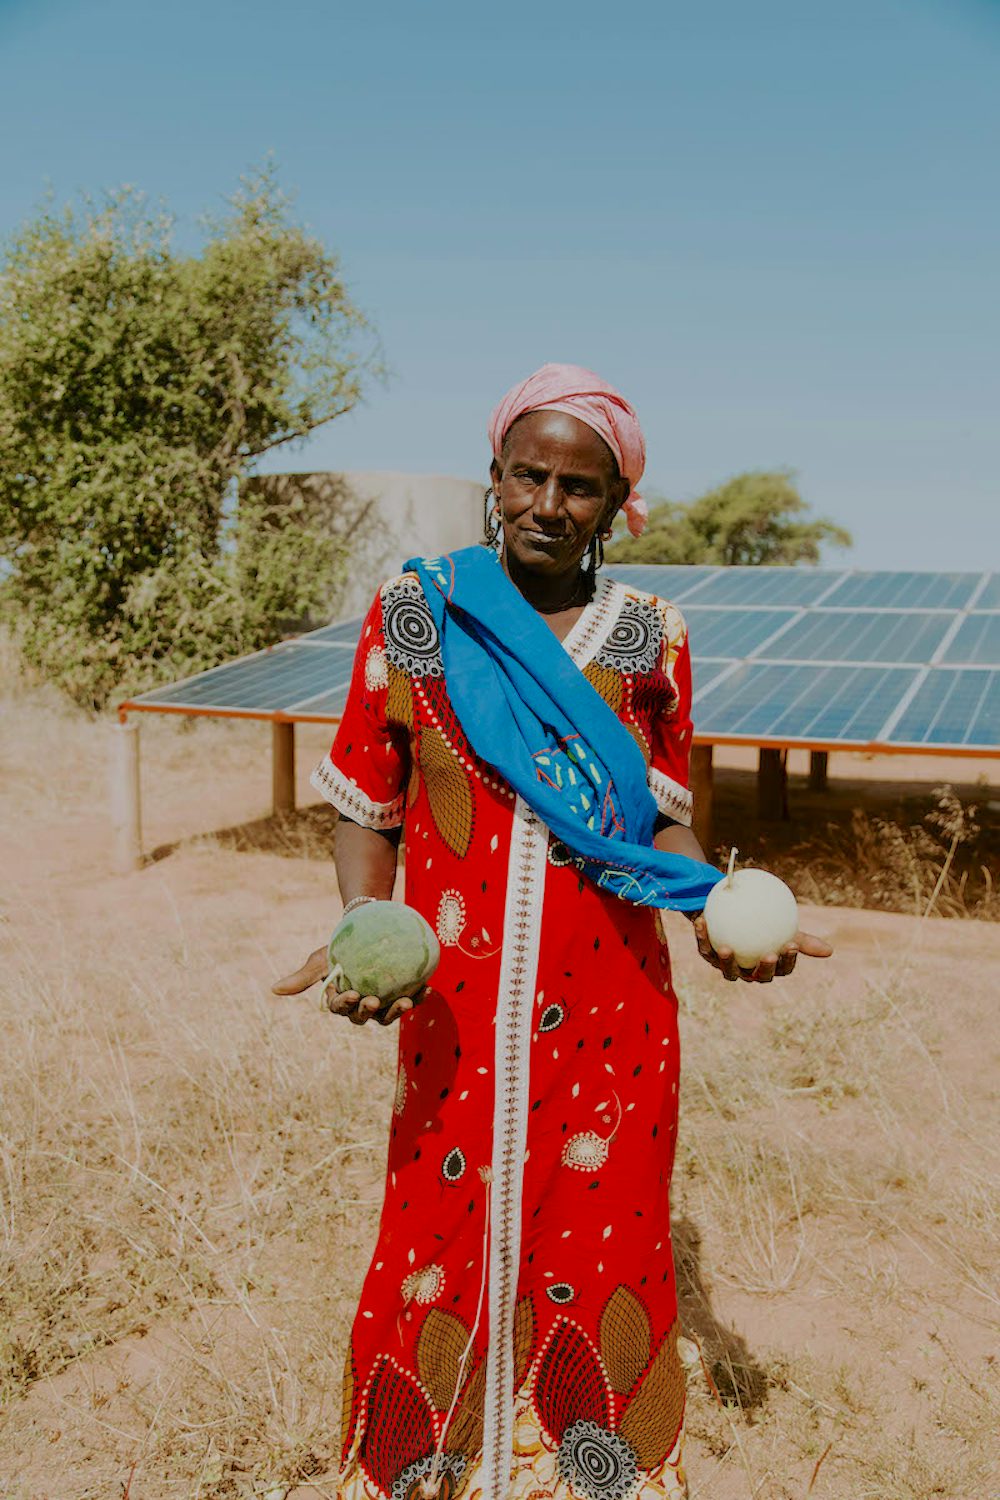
751, 912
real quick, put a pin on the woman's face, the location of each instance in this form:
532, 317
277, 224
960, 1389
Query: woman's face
556, 484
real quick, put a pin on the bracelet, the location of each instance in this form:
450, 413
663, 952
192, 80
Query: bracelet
358, 900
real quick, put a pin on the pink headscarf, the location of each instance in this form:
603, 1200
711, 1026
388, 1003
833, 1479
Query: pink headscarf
583, 395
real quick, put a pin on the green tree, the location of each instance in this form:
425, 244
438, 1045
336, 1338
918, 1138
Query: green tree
755, 518
137, 386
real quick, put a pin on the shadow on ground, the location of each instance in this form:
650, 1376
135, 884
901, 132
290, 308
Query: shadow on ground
737, 1375
306, 833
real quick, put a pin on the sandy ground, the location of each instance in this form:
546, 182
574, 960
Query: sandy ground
190, 1169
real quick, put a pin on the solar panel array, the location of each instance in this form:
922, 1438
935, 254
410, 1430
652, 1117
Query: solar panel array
786, 656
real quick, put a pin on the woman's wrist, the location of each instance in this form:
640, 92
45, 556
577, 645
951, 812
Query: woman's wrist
357, 901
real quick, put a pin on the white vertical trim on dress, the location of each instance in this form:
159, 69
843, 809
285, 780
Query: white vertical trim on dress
515, 1002
522, 924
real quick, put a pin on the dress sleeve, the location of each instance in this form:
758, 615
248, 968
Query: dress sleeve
366, 772
671, 727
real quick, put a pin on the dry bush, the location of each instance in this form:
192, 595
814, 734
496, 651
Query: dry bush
927, 868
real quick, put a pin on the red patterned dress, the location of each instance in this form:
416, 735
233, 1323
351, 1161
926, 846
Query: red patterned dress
517, 1329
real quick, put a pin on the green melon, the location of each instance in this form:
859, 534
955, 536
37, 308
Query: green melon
383, 948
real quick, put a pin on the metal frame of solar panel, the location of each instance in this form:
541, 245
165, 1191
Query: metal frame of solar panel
813, 657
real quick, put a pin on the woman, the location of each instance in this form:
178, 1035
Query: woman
517, 1330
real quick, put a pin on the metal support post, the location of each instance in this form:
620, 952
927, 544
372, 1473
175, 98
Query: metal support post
701, 792
772, 801
126, 815
283, 767
817, 770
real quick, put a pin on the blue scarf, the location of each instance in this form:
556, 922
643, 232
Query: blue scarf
527, 709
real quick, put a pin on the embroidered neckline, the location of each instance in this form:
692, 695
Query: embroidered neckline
591, 630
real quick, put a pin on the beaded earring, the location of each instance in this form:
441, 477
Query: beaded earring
492, 525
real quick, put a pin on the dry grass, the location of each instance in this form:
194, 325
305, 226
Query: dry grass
839, 1179
190, 1175
186, 1179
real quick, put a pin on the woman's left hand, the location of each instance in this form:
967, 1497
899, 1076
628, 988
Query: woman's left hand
770, 966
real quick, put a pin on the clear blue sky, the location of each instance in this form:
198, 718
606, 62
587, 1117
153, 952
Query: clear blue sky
775, 225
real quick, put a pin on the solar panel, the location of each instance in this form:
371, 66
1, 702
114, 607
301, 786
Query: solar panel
766, 701
732, 632
342, 632
780, 655
904, 591
976, 642
952, 706
989, 596
669, 581
765, 587
858, 636
273, 681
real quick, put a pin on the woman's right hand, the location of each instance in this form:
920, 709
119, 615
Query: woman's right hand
357, 1008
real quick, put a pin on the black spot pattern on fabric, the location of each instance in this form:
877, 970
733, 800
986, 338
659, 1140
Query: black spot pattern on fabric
460, 986
458, 1051
625, 940
642, 1280
642, 962
592, 1185
567, 973
457, 1297
472, 1204
407, 1203
597, 944
606, 1043
531, 1256
646, 1024
656, 1131
637, 1070
564, 1127
446, 1091
418, 1059
536, 1211
579, 1044
536, 1105
416, 1154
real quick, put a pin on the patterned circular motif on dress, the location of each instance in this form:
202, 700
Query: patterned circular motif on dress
450, 922
552, 1016
587, 1151
633, 643
453, 1166
411, 638
424, 1285
376, 670
409, 1484
560, 1292
598, 1464
559, 854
